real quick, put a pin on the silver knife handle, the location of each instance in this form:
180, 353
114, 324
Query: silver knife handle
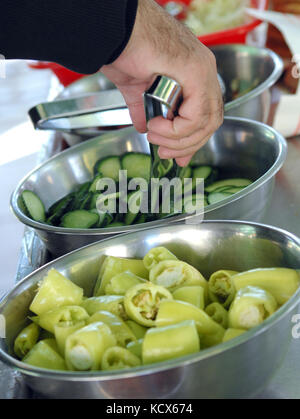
163, 98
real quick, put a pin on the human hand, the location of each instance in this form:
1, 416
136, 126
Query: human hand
160, 45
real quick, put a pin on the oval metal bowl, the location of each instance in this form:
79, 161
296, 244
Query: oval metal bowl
240, 148
236, 369
256, 67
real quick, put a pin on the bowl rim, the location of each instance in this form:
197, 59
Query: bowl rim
281, 155
282, 311
270, 80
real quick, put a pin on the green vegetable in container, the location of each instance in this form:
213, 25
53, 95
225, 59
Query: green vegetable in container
85, 347
119, 328
172, 274
112, 303
232, 333
64, 329
117, 358
218, 313
135, 347
114, 265
142, 302
282, 283
251, 306
156, 255
51, 318
193, 294
221, 288
44, 354
120, 283
55, 291
173, 311
26, 340
138, 330
169, 342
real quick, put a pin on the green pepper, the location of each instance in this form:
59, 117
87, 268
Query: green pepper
218, 313
55, 291
172, 312
221, 288
232, 333
26, 340
138, 330
112, 303
64, 329
136, 347
50, 319
251, 306
120, 283
282, 283
156, 255
44, 354
114, 265
163, 343
117, 358
85, 347
119, 328
142, 302
173, 274
193, 294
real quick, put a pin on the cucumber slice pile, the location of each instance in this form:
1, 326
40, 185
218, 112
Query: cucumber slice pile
83, 207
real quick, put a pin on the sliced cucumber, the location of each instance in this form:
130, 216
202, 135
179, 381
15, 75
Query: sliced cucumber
109, 167
105, 218
116, 224
93, 187
134, 198
163, 167
94, 200
185, 172
108, 203
215, 197
80, 196
86, 202
34, 206
202, 172
233, 189
138, 165
239, 182
57, 210
142, 218
207, 173
79, 219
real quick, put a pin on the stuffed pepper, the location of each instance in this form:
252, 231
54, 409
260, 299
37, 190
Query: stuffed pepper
117, 358
86, 346
142, 302
156, 255
173, 274
251, 306
221, 287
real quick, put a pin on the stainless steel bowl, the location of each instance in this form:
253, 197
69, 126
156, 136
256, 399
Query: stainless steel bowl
240, 148
236, 369
259, 67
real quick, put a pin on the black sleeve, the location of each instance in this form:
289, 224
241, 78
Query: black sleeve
81, 35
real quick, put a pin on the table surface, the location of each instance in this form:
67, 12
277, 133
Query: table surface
284, 212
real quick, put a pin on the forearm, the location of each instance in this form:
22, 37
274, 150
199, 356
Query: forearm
81, 35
